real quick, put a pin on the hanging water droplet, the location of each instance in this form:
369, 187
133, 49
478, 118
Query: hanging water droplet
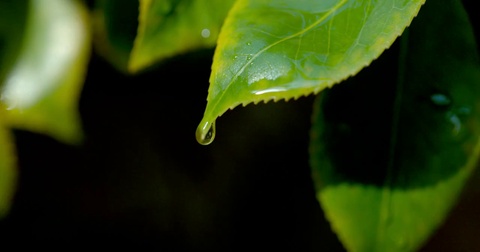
205, 132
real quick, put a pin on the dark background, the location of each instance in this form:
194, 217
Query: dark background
141, 179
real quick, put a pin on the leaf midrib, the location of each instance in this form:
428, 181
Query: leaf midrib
385, 207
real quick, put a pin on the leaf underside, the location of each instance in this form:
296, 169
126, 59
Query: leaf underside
389, 161
271, 50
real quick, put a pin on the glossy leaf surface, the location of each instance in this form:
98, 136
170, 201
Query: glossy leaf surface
8, 172
271, 49
389, 155
172, 27
43, 87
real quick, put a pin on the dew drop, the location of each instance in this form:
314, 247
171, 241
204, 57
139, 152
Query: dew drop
205, 132
249, 43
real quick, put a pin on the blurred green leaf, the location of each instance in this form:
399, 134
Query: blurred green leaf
43, 88
13, 14
389, 161
271, 50
8, 172
115, 28
172, 27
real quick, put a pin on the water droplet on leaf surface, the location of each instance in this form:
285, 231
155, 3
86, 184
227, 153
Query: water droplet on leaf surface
440, 100
205, 33
456, 122
205, 132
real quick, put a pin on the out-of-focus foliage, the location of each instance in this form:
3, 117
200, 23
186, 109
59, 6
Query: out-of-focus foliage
115, 28
8, 173
173, 27
43, 87
165, 29
48, 45
388, 170
12, 24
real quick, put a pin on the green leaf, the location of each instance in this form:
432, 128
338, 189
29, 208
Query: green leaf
390, 161
172, 27
271, 50
115, 28
13, 14
8, 172
43, 88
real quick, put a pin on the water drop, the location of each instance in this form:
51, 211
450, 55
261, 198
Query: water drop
206, 33
440, 100
249, 43
205, 132
464, 111
456, 122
